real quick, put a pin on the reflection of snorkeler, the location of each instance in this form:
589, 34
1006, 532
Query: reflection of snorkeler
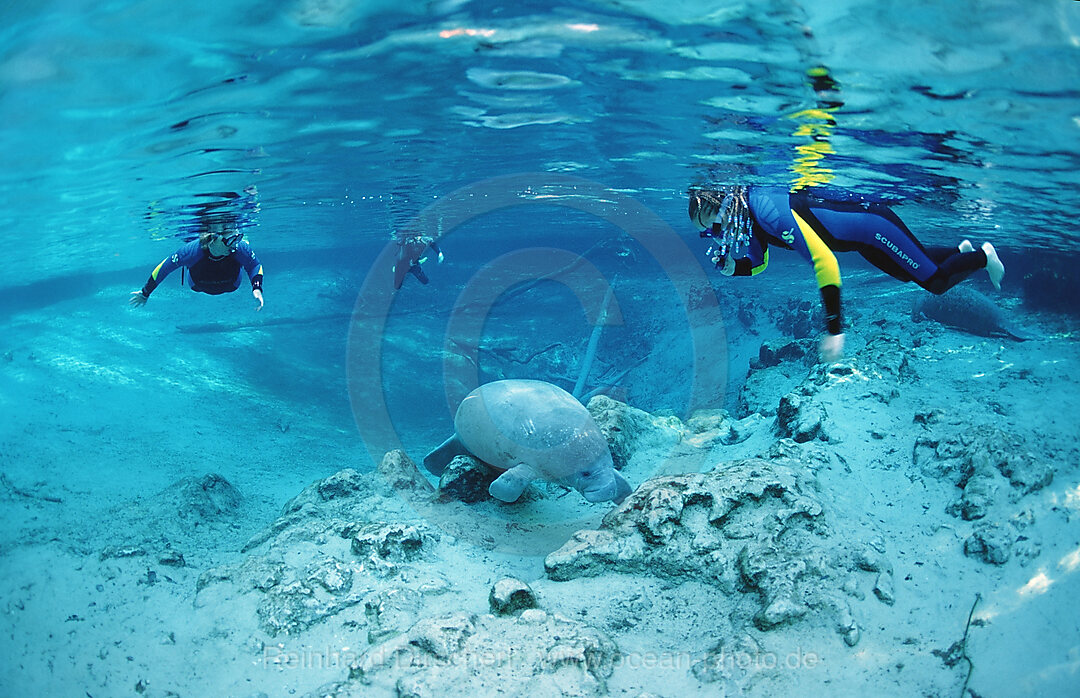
410, 256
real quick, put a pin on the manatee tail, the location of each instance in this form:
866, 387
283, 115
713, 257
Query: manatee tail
437, 460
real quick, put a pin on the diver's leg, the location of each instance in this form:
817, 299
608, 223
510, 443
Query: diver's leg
416, 271
953, 270
940, 254
880, 236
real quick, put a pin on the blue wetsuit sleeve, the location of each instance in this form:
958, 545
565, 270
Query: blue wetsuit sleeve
184, 256
753, 260
251, 264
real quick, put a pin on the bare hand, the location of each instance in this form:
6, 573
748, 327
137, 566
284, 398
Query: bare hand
137, 299
831, 348
259, 297
729, 266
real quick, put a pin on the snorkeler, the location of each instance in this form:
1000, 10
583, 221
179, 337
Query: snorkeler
744, 221
410, 257
214, 263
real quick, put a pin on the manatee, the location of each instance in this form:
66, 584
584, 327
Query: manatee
968, 310
532, 430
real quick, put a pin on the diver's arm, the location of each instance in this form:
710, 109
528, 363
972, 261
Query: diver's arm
827, 273
167, 266
752, 263
254, 271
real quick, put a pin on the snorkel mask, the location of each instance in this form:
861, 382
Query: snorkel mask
224, 244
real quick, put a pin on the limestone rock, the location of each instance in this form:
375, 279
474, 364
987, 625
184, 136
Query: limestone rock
252, 573
390, 542
990, 542
391, 611
758, 395
776, 351
753, 526
509, 595
979, 494
883, 587
466, 479
345, 483
172, 558
888, 356
982, 461
799, 320
629, 430
799, 418
204, 498
534, 653
324, 506
319, 559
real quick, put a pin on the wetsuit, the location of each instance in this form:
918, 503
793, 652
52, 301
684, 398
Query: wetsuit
206, 274
816, 228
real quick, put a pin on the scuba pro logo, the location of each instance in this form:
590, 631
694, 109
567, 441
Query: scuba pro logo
896, 250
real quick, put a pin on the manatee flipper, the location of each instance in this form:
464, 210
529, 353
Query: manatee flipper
1020, 335
509, 486
622, 488
437, 460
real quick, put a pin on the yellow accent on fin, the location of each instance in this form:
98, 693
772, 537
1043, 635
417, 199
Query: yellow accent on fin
826, 268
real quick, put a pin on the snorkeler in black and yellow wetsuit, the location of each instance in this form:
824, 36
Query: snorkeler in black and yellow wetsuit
745, 221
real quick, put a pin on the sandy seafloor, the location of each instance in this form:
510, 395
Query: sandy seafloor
863, 550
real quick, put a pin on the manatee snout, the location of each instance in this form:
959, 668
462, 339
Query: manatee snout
603, 483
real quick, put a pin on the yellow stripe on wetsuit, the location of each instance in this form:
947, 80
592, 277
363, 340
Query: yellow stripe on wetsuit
153, 274
826, 268
754, 271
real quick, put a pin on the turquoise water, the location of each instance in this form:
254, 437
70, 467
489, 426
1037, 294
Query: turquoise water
508, 128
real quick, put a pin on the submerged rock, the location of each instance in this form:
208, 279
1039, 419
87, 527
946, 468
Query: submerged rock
466, 480
534, 653
983, 462
776, 351
388, 542
208, 497
509, 595
751, 526
990, 542
799, 418
321, 558
763, 384
629, 430
979, 495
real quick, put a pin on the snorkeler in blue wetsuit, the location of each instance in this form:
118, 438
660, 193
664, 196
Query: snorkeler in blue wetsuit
214, 264
744, 221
